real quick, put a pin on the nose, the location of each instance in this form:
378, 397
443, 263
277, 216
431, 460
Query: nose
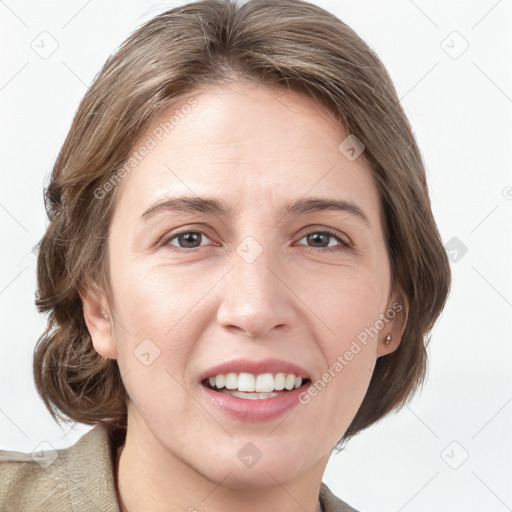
256, 300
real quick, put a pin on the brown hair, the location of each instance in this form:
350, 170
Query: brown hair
285, 43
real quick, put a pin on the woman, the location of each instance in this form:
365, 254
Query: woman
241, 268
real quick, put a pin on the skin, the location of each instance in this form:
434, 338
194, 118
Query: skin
257, 148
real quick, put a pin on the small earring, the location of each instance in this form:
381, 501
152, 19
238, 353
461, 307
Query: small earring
387, 339
105, 316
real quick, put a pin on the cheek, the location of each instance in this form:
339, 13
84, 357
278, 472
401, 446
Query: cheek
347, 300
348, 388
156, 328
156, 300
350, 306
156, 333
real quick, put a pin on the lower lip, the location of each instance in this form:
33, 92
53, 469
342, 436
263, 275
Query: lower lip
265, 409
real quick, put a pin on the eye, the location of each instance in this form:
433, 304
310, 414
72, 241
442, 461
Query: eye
185, 240
322, 239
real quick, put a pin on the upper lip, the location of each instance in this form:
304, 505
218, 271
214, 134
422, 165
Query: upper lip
269, 365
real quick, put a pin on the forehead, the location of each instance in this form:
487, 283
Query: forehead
249, 144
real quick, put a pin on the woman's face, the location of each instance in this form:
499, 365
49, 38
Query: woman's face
252, 283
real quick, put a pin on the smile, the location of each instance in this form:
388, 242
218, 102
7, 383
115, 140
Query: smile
253, 405
254, 387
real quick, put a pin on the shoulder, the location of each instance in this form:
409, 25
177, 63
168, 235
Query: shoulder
29, 482
60, 479
331, 503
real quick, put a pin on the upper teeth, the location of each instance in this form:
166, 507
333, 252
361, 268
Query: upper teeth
263, 383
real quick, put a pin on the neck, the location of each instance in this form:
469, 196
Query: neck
150, 478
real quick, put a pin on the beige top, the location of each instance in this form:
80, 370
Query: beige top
79, 478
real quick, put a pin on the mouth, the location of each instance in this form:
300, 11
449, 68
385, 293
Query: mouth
251, 390
248, 386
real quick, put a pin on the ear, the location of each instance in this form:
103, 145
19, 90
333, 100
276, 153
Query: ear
98, 319
398, 310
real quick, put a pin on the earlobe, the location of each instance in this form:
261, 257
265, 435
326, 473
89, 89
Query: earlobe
391, 336
386, 345
98, 321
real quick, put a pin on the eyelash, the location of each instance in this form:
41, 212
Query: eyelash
342, 244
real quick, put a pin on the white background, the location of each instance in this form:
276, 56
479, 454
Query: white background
460, 109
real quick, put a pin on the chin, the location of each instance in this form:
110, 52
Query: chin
249, 468
263, 477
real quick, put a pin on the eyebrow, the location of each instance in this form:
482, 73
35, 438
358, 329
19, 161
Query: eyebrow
215, 206
318, 204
